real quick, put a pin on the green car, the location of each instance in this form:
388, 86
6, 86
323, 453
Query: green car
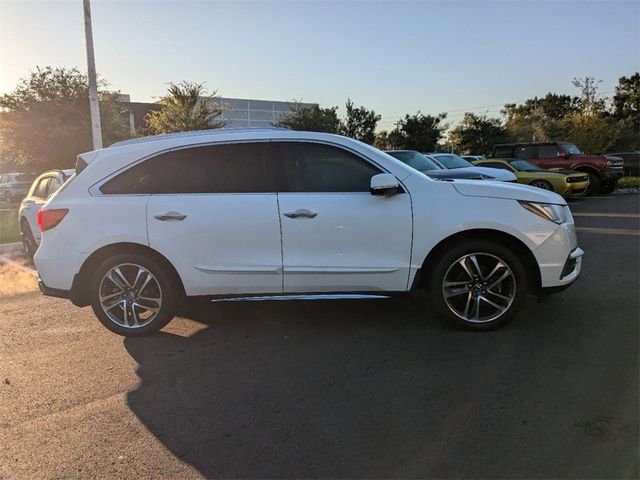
572, 184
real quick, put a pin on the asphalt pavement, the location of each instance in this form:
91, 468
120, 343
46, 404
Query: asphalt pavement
334, 389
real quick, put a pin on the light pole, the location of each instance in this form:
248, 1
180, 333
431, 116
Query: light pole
94, 104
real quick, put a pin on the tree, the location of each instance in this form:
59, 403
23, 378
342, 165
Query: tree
418, 132
360, 123
626, 104
311, 118
45, 121
477, 134
551, 106
592, 133
186, 107
589, 103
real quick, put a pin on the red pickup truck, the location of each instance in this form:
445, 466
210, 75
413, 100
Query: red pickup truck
603, 172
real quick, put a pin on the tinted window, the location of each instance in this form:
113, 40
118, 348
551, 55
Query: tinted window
41, 189
451, 160
311, 167
54, 185
234, 168
495, 165
415, 160
547, 151
503, 152
525, 152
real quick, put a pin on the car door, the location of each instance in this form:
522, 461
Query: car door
336, 235
213, 212
548, 157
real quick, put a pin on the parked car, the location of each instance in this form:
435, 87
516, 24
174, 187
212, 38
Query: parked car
13, 186
603, 173
573, 184
150, 221
631, 162
424, 164
473, 158
41, 190
451, 161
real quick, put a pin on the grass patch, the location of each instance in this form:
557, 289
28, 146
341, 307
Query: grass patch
629, 182
9, 229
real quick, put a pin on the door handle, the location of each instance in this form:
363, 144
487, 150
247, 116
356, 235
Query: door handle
163, 217
301, 212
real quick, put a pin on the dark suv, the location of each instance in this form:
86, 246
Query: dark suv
603, 172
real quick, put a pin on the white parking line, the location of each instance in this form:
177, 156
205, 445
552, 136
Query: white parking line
609, 231
612, 215
11, 263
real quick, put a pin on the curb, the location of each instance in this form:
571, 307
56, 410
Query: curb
9, 248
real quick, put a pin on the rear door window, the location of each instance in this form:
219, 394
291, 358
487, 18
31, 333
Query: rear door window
54, 185
229, 168
547, 151
41, 188
526, 152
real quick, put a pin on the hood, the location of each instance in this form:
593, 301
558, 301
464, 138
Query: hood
494, 173
509, 191
455, 174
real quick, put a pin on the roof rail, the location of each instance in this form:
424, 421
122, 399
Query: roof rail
195, 133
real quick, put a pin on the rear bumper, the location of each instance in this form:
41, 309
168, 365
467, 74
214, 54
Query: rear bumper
53, 292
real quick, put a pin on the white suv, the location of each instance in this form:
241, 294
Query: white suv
147, 222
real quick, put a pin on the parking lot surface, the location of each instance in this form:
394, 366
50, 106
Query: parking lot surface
344, 388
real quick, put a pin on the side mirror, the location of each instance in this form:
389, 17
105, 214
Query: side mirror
384, 184
562, 155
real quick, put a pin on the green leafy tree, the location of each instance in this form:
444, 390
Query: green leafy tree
477, 134
311, 118
45, 122
626, 101
186, 107
360, 123
590, 102
592, 133
418, 132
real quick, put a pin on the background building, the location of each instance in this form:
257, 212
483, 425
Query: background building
239, 113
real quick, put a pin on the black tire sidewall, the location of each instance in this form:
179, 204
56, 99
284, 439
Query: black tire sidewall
448, 257
28, 241
594, 184
167, 286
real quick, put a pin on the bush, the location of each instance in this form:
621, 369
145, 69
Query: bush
629, 182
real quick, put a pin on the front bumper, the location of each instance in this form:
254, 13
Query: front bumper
559, 257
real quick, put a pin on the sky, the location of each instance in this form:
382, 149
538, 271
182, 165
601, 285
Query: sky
395, 57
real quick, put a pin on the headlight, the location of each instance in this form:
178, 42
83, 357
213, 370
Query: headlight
548, 211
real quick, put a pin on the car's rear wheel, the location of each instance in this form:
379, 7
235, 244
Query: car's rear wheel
542, 184
133, 295
28, 242
479, 284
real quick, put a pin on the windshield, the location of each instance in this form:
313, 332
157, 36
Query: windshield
451, 160
571, 149
524, 166
415, 160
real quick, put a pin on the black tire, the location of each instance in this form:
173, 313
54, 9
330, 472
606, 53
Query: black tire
608, 187
543, 184
594, 184
28, 242
447, 264
166, 286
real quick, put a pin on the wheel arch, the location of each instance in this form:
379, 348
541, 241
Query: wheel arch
587, 169
79, 290
531, 265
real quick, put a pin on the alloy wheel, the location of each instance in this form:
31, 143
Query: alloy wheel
479, 287
130, 295
541, 184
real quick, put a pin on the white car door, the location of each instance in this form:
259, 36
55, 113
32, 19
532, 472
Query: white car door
213, 213
336, 235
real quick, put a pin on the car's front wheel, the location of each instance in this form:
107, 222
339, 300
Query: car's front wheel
133, 294
479, 284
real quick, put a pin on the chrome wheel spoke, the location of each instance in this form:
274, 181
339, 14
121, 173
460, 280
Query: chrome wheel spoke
476, 266
463, 263
495, 294
467, 305
109, 305
502, 278
121, 277
500, 308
